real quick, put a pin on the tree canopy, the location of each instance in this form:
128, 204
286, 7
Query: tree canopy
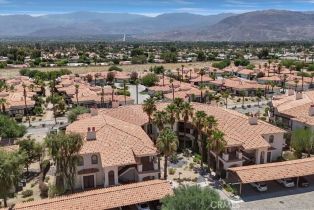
10, 129
194, 197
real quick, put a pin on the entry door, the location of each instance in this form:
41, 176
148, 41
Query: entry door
268, 157
89, 181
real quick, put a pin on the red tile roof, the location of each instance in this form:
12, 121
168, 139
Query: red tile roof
106, 198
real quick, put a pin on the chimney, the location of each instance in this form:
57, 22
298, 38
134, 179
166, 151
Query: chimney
298, 95
94, 111
253, 119
311, 110
290, 92
91, 134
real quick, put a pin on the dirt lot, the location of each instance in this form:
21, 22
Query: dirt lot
14, 72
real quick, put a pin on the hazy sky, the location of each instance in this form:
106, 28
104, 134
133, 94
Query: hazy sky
149, 7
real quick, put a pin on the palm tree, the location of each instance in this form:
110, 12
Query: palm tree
284, 82
258, 95
149, 107
296, 81
167, 144
311, 75
160, 119
172, 87
202, 87
25, 103
76, 93
187, 113
202, 73
3, 102
242, 93
225, 95
172, 112
182, 67
209, 128
124, 91
216, 143
102, 97
199, 122
136, 82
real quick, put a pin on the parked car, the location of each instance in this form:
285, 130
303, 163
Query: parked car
286, 182
303, 182
260, 186
142, 206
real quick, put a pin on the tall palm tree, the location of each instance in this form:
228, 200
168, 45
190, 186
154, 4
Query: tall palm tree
209, 128
25, 103
258, 95
216, 143
76, 93
225, 95
172, 112
199, 122
149, 107
182, 68
172, 87
202, 73
202, 88
167, 144
124, 91
102, 97
136, 87
187, 113
160, 119
242, 94
296, 81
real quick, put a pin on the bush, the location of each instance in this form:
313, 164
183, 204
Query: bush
222, 64
43, 189
75, 112
9, 128
27, 193
28, 200
172, 171
115, 68
197, 158
241, 62
150, 80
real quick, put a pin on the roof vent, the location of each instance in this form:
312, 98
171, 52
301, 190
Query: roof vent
311, 110
91, 134
253, 119
298, 95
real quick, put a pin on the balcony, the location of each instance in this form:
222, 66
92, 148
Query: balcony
232, 156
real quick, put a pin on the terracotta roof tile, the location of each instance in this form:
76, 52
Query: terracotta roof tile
106, 198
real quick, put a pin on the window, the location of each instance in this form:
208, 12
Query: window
94, 159
271, 139
80, 161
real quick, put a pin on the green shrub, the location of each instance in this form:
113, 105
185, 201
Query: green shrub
27, 193
115, 68
172, 171
28, 200
150, 79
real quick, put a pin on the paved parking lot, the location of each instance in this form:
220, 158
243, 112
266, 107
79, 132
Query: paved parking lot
278, 197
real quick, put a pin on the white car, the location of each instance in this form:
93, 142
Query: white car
142, 206
286, 182
260, 186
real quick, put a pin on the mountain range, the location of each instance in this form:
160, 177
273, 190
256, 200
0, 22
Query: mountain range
268, 25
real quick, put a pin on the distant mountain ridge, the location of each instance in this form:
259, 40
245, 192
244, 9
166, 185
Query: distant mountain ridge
92, 23
268, 25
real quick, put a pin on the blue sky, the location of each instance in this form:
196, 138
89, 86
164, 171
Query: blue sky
149, 7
